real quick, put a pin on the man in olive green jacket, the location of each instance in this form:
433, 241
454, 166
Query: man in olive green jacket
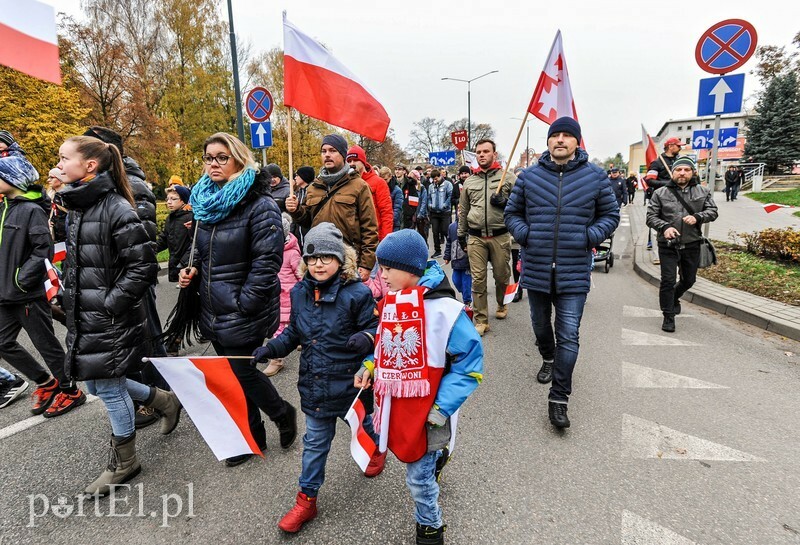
481, 217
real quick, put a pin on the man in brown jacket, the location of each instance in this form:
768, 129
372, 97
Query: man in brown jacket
339, 196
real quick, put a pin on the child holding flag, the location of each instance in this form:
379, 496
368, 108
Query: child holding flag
333, 317
428, 360
25, 246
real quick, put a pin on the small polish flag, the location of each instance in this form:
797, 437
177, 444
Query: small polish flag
511, 291
413, 201
771, 207
52, 285
214, 400
362, 447
60, 252
470, 159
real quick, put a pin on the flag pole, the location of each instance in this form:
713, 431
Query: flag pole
513, 149
291, 161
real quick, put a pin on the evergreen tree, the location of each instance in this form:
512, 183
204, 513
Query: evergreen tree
773, 133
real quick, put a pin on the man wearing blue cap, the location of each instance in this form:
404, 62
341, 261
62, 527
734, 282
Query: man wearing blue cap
558, 211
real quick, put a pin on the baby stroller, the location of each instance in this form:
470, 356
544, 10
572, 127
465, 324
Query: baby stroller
603, 253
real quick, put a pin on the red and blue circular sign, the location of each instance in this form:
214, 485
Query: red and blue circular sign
259, 104
726, 46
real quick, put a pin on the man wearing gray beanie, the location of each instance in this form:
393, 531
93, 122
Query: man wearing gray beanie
341, 197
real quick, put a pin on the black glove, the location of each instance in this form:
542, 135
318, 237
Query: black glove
498, 200
361, 343
462, 241
263, 353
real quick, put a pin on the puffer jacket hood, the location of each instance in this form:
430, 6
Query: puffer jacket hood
143, 197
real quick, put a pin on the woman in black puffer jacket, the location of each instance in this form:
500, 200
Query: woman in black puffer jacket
110, 264
239, 243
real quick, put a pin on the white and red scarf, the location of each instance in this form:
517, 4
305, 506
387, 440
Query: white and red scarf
401, 365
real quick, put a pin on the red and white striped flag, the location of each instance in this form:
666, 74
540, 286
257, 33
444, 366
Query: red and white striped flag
511, 291
52, 285
318, 85
28, 38
649, 147
771, 207
214, 400
362, 447
413, 201
59, 252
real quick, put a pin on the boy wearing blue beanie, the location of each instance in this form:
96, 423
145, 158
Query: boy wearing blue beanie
428, 359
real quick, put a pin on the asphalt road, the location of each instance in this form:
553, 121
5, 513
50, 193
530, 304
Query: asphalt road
679, 439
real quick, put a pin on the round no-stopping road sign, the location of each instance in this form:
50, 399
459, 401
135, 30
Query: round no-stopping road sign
726, 46
259, 104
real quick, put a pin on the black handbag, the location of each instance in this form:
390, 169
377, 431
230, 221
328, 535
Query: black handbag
708, 254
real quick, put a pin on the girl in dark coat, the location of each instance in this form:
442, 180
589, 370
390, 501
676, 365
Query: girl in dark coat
239, 244
109, 266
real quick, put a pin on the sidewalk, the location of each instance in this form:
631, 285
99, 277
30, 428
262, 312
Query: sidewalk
759, 311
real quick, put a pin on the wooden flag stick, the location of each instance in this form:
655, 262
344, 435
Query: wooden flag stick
291, 162
146, 360
513, 149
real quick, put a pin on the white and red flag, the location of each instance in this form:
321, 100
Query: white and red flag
413, 200
52, 284
470, 159
771, 207
59, 252
362, 447
28, 38
649, 147
511, 291
318, 85
552, 97
214, 400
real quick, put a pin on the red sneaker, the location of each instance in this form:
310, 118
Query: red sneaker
304, 510
376, 463
43, 397
64, 402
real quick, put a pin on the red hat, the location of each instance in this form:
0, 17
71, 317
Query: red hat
673, 140
357, 152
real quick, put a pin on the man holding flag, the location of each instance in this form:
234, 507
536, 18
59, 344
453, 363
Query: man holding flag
558, 211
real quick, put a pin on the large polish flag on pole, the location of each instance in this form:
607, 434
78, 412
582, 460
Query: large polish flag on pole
28, 40
318, 85
214, 400
552, 97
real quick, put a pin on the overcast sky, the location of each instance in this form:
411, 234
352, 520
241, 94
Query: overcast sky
630, 62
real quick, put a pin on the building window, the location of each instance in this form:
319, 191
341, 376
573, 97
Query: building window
688, 127
708, 126
688, 140
680, 127
735, 123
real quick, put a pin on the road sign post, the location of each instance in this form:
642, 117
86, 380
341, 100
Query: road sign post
259, 104
261, 135
442, 158
459, 139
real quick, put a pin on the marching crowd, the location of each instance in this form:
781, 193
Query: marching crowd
334, 263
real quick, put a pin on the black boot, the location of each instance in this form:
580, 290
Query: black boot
428, 535
676, 307
545, 374
558, 414
287, 426
669, 323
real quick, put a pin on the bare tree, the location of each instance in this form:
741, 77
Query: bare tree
427, 136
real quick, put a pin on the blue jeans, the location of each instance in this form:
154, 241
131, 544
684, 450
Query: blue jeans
6, 375
562, 348
463, 283
316, 445
117, 394
425, 490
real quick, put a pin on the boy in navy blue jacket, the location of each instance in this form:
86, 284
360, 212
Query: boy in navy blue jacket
459, 260
333, 317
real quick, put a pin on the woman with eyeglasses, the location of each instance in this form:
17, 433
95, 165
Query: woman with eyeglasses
239, 246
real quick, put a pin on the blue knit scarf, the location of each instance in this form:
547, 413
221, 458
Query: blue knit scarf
211, 204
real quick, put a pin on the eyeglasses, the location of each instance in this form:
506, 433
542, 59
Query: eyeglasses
324, 259
221, 160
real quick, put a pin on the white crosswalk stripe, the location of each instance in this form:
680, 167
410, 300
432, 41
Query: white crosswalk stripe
638, 376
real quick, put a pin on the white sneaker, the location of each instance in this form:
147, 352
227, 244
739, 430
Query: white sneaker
11, 390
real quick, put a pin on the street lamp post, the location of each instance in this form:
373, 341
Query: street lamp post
469, 90
236, 90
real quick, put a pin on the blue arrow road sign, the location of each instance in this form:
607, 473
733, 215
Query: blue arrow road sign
722, 95
261, 135
442, 158
703, 139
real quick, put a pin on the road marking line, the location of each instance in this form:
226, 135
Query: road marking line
638, 376
641, 312
23, 425
632, 337
645, 439
638, 530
